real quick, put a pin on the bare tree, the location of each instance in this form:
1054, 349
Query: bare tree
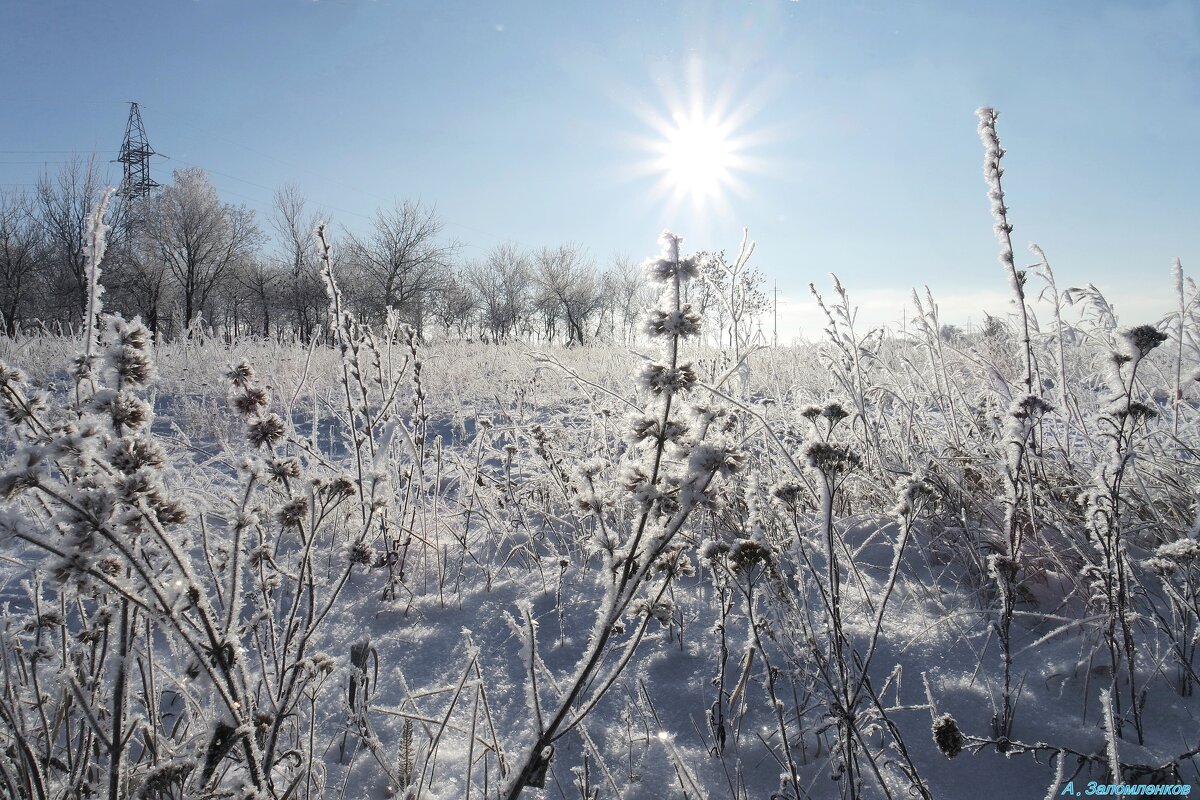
629, 294
295, 226
502, 286
569, 289
456, 306
20, 256
64, 204
732, 294
260, 281
402, 262
141, 281
300, 288
199, 238
304, 298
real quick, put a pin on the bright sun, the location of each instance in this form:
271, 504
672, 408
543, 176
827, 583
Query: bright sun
697, 156
701, 141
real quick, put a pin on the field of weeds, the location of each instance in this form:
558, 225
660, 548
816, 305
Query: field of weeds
926, 565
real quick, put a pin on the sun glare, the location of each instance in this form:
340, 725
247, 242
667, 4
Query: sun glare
700, 142
697, 157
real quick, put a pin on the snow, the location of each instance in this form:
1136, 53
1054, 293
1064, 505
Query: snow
498, 512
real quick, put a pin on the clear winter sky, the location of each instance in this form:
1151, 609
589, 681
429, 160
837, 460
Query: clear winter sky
848, 127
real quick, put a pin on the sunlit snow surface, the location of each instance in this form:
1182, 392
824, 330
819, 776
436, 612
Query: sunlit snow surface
449, 638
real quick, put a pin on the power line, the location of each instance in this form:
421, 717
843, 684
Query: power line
256, 185
208, 132
216, 172
54, 152
204, 131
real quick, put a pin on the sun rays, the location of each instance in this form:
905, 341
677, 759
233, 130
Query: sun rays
697, 145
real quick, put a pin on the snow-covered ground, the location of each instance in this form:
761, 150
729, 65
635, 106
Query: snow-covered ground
424, 560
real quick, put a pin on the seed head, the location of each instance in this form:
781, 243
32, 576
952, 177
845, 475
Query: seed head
1030, 407
281, 469
787, 492
339, 488
361, 553
291, 514
266, 430
831, 460
707, 459
83, 366
240, 375
1143, 338
661, 379
169, 512
947, 736
666, 323
748, 553
647, 427
810, 412
669, 265
913, 493
130, 455
250, 400
128, 352
124, 408
834, 412
10, 375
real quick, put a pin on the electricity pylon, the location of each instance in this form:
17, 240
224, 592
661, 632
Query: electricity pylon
135, 155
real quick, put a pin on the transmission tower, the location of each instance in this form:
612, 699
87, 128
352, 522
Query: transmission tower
135, 155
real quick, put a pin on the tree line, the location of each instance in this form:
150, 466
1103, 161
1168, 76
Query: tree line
184, 260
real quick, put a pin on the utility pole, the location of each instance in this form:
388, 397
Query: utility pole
775, 312
135, 155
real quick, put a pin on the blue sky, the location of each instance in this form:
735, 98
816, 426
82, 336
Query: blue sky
535, 122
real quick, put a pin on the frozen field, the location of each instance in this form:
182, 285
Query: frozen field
462, 570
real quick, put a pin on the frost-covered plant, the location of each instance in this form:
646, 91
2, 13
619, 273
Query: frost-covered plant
1005, 566
748, 565
993, 174
934, 344
1067, 404
92, 491
188, 628
1177, 565
667, 476
843, 667
734, 299
951, 740
1020, 437
1112, 576
851, 360
813, 631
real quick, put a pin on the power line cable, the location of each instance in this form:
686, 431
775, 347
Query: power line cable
54, 152
256, 185
203, 131
254, 151
215, 135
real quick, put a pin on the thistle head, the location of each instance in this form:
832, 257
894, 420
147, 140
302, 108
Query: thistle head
947, 736
831, 460
240, 375
266, 431
292, 513
128, 351
1142, 339
250, 400
661, 379
669, 265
